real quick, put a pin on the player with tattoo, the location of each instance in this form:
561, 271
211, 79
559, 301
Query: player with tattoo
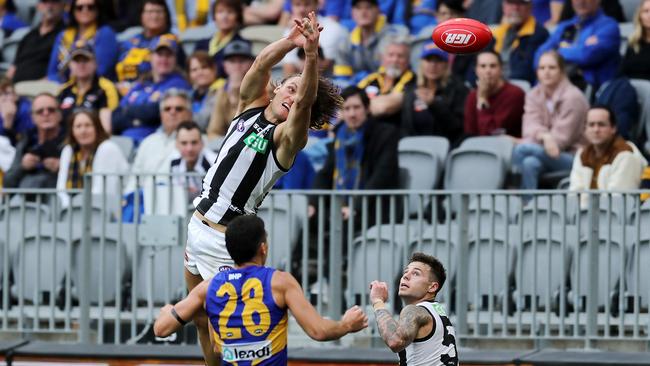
423, 335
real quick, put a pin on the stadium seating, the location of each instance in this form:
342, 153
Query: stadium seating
128, 33
10, 45
35, 87
642, 88
126, 145
629, 9
191, 36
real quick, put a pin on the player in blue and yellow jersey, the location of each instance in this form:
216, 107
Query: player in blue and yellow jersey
247, 306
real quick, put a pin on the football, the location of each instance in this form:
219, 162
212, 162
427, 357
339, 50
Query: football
462, 35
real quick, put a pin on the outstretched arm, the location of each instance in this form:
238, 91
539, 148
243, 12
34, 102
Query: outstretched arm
397, 334
312, 323
293, 134
167, 323
253, 86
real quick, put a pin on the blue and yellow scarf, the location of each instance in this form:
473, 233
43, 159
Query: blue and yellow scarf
348, 152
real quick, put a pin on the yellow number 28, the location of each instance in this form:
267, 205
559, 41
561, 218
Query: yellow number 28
253, 298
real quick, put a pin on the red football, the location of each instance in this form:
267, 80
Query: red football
462, 35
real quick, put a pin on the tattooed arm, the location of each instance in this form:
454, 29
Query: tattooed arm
399, 334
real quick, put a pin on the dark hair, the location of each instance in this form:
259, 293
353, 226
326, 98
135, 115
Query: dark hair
454, 5
168, 16
437, 269
100, 133
353, 90
203, 57
328, 102
491, 52
301, 53
236, 5
5, 83
101, 16
610, 111
244, 235
10, 6
188, 125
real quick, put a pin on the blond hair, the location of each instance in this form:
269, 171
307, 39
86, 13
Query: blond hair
421, 80
637, 35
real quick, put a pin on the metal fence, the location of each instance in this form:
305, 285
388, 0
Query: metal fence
543, 265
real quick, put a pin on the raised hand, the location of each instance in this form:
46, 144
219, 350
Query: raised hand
310, 31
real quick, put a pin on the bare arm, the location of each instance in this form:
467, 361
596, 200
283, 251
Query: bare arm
312, 323
399, 334
167, 324
387, 104
293, 134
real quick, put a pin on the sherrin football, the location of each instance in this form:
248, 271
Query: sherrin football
462, 35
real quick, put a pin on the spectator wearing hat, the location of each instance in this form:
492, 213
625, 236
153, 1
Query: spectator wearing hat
386, 86
15, 112
517, 38
238, 59
589, 42
86, 89
436, 105
495, 107
135, 53
33, 54
138, 114
86, 24
360, 55
395, 11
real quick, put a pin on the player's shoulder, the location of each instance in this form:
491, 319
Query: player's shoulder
414, 313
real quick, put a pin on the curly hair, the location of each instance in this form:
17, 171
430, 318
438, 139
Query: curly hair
328, 102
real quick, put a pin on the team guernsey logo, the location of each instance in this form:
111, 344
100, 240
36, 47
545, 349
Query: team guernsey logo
459, 37
257, 142
246, 352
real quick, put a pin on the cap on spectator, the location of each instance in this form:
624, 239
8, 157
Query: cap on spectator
165, 41
372, 2
82, 48
238, 48
431, 49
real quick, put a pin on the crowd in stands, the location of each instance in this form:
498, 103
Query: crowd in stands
555, 80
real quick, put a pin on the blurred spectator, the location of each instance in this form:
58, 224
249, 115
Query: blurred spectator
138, 114
301, 175
363, 155
554, 117
386, 86
36, 163
86, 89
395, 11
620, 96
436, 105
86, 23
190, 157
517, 38
324, 65
203, 75
331, 38
15, 112
89, 150
9, 22
423, 14
495, 107
449, 9
635, 64
228, 16
127, 14
607, 161
611, 8
33, 54
263, 12
238, 59
175, 107
360, 54
486, 11
135, 53
547, 12
589, 43
189, 13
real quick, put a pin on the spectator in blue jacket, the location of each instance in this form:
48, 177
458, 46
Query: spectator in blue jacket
138, 114
517, 38
86, 24
9, 22
15, 112
341, 10
589, 42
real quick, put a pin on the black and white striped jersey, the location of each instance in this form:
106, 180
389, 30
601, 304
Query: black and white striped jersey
245, 170
438, 348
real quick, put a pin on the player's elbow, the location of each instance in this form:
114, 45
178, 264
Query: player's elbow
318, 334
395, 345
160, 330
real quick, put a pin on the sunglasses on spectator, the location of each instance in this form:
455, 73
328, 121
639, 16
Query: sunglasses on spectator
178, 108
42, 111
81, 7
